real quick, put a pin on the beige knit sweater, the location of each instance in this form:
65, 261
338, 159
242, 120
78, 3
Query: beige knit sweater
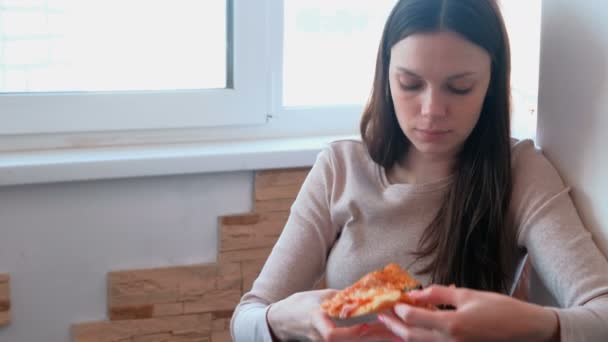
348, 220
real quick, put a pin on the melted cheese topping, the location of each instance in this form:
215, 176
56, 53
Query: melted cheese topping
375, 292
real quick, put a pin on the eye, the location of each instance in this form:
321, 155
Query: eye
410, 86
460, 87
460, 91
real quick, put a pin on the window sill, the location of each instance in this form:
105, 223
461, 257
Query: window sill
140, 161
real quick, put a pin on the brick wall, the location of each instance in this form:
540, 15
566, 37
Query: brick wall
194, 303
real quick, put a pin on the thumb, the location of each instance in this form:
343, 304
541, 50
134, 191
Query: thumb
326, 293
438, 295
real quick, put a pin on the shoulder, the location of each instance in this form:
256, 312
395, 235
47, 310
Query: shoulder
536, 182
347, 146
531, 167
348, 161
346, 153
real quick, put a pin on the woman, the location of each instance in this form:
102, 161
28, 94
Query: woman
438, 186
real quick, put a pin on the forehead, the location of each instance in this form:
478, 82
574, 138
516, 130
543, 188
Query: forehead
439, 53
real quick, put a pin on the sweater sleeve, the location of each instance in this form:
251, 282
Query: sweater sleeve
298, 259
561, 250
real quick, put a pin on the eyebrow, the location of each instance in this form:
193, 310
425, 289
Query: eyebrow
413, 74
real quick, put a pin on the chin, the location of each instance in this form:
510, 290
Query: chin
434, 148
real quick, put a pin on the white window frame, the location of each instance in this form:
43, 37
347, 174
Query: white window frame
243, 104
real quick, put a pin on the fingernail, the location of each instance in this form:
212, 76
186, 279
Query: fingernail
414, 293
380, 319
400, 310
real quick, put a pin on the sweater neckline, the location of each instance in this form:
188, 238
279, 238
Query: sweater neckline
423, 187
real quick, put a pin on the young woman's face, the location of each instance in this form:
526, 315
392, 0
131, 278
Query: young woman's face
438, 83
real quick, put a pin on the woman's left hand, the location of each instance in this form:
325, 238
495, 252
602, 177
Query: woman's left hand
479, 316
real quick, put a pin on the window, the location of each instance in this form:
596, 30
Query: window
74, 66
69, 66
330, 49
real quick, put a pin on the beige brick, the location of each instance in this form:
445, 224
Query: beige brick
152, 338
251, 231
122, 312
219, 300
5, 318
244, 255
145, 311
221, 324
277, 192
240, 220
221, 336
168, 309
190, 339
171, 338
161, 291
278, 185
280, 177
248, 282
229, 276
251, 270
224, 314
162, 282
195, 289
193, 326
283, 204
5, 300
252, 267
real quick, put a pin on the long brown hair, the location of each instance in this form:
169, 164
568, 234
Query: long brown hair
470, 242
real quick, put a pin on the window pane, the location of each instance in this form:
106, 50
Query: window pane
522, 19
330, 50
112, 45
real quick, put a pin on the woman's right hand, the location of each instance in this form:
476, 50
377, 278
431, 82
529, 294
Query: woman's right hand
299, 317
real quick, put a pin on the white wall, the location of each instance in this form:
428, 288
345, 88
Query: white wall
573, 105
58, 241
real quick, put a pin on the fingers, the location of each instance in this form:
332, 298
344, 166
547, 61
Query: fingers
423, 318
326, 294
321, 322
375, 331
407, 332
328, 331
439, 295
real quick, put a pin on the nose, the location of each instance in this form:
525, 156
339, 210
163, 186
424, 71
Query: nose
433, 104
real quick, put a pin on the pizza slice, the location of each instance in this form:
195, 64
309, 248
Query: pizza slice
375, 292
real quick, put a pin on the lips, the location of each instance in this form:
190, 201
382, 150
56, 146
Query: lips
432, 135
432, 131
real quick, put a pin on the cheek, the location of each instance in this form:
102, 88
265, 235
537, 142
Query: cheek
406, 111
469, 108
406, 105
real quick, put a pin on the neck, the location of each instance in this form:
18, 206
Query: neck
420, 168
